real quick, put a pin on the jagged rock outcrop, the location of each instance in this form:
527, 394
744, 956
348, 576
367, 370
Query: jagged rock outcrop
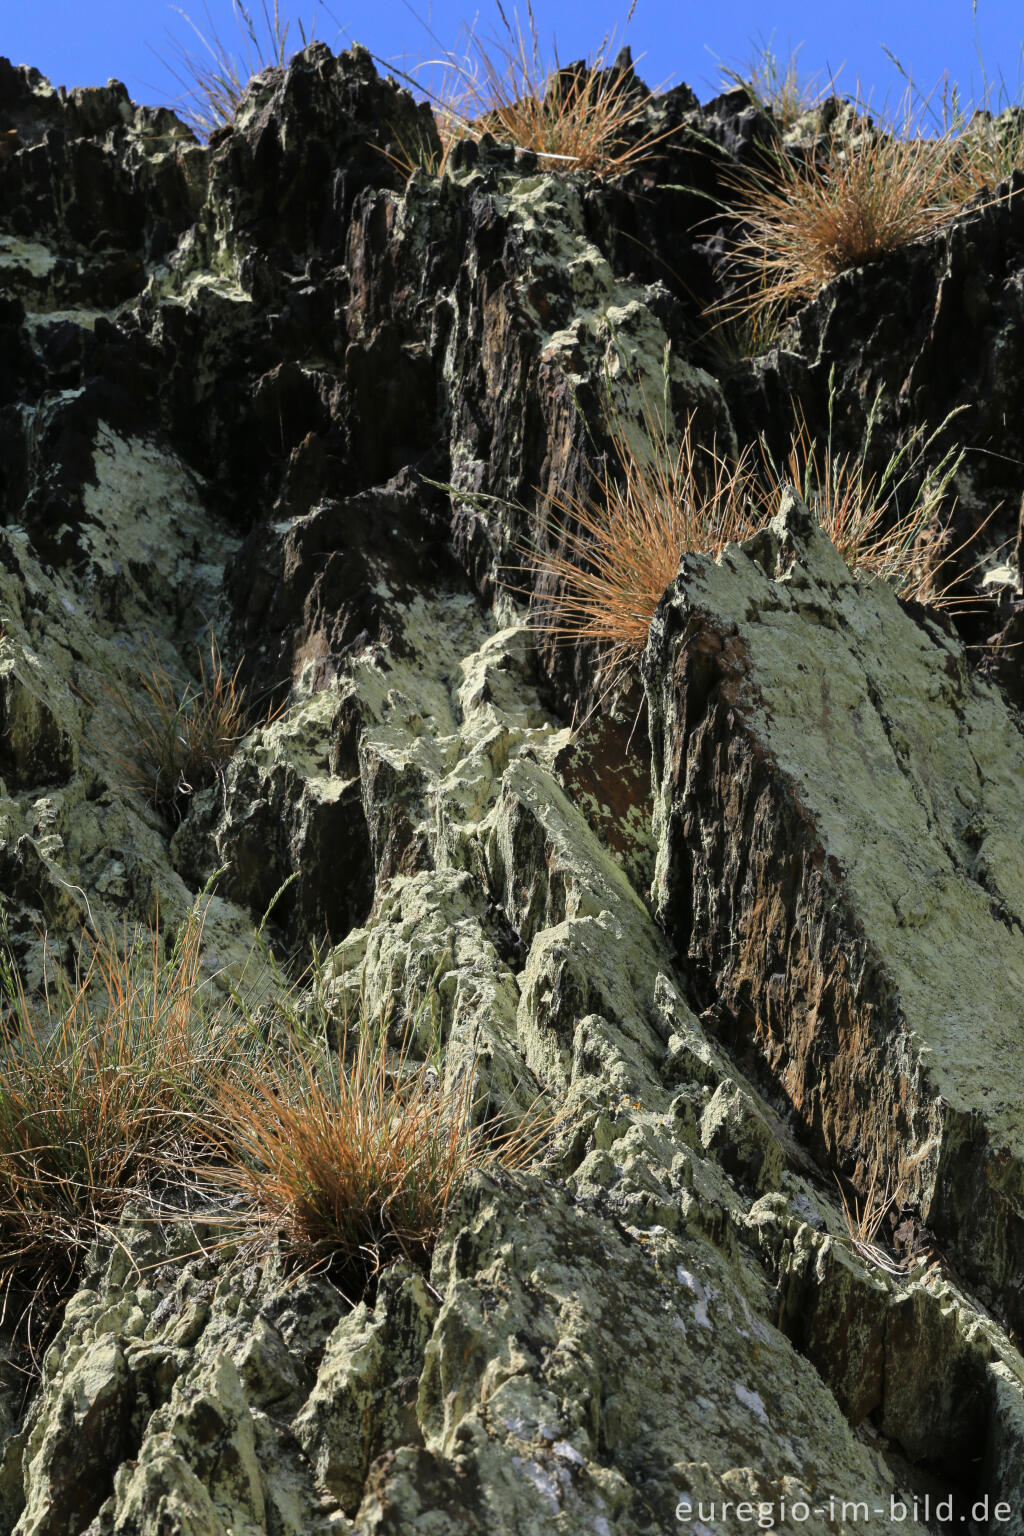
272, 387
547, 1375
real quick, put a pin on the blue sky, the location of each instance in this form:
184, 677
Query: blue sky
84, 44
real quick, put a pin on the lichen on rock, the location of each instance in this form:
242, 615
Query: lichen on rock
756, 936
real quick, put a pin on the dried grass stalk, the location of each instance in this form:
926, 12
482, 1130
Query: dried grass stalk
586, 119
803, 220
354, 1153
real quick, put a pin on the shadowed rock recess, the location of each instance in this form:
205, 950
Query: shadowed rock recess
763, 940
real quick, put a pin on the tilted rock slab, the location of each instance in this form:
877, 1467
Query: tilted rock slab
840, 808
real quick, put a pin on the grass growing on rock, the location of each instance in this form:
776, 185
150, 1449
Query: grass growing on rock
986, 132
614, 550
878, 520
174, 736
585, 117
353, 1152
120, 1088
803, 219
987, 149
102, 1081
609, 554
214, 79
866, 1220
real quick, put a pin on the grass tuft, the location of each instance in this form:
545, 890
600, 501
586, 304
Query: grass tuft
865, 1220
102, 1080
986, 134
178, 734
214, 79
584, 118
987, 149
805, 218
876, 520
611, 553
354, 1153
118, 1087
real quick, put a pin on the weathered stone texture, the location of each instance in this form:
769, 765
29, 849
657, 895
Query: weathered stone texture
839, 806
271, 387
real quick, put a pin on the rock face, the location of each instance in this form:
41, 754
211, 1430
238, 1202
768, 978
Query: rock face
839, 809
763, 941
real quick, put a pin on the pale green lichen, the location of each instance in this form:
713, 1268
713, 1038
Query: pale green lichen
911, 768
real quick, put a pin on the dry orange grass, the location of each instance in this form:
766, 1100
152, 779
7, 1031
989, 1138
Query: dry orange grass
419, 150
353, 1154
585, 119
613, 552
803, 221
102, 1080
618, 547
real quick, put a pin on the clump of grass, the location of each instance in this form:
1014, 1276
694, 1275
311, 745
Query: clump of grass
418, 151
354, 1152
776, 85
875, 519
102, 1080
176, 735
117, 1085
804, 219
865, 1219
582, 118
215, 79
613, 550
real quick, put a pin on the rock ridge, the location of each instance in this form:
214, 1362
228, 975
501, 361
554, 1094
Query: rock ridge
762, 941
